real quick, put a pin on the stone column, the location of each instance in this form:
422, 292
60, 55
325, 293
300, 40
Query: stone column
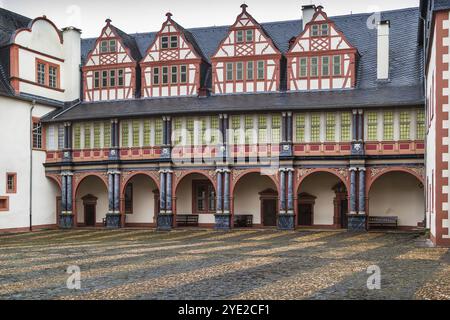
162, 196
289, 127
66, 215
286, 215
165, 217
352, 191
282, 191
113, 217
69, 194
110, 192
356, 222
67, 152
117, 192
360, 125
114, 150
169, 176
362, 191
226, 196
223, 217
219, 207
355, 125
290, 202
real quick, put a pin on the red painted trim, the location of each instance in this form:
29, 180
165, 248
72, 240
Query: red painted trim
5, 206
14, 176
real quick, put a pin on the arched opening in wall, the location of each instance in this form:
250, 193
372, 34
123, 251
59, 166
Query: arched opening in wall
140, 201
50, 200
399, 195
91, 202
322, 201
256, 196
195, 201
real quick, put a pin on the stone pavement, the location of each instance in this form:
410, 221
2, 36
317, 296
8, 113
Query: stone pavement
204, 264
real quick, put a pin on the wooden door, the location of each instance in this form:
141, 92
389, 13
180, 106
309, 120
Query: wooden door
89, 215
269, 208
305, 214
343, 213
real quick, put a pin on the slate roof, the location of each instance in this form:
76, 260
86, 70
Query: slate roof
441, 5
9, 23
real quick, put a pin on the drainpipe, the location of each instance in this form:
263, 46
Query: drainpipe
33, 104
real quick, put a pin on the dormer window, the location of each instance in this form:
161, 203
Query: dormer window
173, 42
324, 30
164, 42
239, 36
108, 46
249, 35
245, 36
169, 42
315, 30
321, 30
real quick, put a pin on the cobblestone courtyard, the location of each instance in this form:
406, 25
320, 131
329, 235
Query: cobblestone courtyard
197, 264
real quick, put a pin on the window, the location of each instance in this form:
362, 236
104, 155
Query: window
337, 65
315, 30
249, 36
276, 129
112, 46
203, 138
120, 78
104, 46
420, 130
315, 128
136, 133
11, 183
77, 136
239, 36
236, 126
158, 132
229, 71
405, 125
314, 67
330, 127
97, 135
178, 134
165, 75
346, 123
190, 126
262, 129
96, 80
239, 71
325, 66
250, 70
156, 75
183, 74
303, 67
125, 134
174, 42
205, 197
106, 134
215, 133
388, 126
324, 29
300, 128
53, 77
60, 137
104, 79
261, 70
248, 129
87, 136
112, 78
147, 133
129, 199
4, 203
165, 42
108, 46
174, 74
37, 134
372, 126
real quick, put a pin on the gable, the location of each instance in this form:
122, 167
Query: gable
246, 37
100, 56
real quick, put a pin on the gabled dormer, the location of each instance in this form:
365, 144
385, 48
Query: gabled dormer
247, 60
174, 64
321, 58
111, 68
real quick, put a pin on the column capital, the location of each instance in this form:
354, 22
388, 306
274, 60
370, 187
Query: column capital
67, 124
284, 114
67, 174
360, 111
289, 114
362, 169
355, 111
353, 169
114, 172
114, 120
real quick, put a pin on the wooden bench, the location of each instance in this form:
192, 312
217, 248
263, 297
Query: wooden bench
383, 222
187, 220
243, 221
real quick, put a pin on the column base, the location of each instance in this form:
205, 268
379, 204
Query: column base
165, 222
286, 222
223, 222
113, 220
357, 223
66, 221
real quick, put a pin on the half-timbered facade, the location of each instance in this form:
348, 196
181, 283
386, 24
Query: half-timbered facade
111, 68
240, 126
174, 64
247, 60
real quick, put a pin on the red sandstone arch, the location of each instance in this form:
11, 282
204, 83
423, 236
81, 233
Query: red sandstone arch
83, 177
55, 179
370, 181
250, 171
188, 173
346, 182
138, 173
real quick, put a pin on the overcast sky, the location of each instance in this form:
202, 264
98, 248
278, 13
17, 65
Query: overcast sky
148, 15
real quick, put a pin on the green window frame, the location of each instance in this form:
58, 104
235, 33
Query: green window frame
239, 71
330, 127
229, 67
97, 135
107, 134
300, 124
372, 126
136, 126
249, 125
87, 136
314, 67
77, 136
125, 134
315, 128
147, 133
262, 129
239, 36
405, 125
420, 125
388, 126
337, 65
315, 30
303, 63
276, 129
236, 126
158, 132
250, 70
261, 70
249, 35
325, 66
346, 124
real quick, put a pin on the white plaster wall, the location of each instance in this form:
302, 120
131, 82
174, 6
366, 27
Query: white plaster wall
246, 195
15, 157
321, 186
94, 186
398, 194
143, 200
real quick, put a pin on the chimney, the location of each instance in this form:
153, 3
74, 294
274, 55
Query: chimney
383, 50
308, 13
72, 63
